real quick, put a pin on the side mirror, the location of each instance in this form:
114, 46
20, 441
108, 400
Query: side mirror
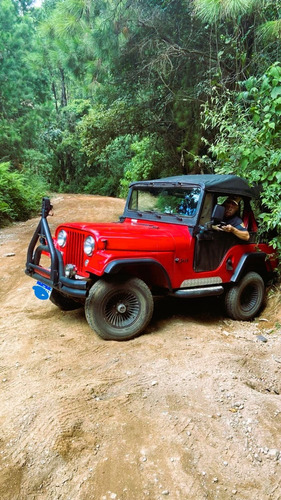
218, 214
204, 232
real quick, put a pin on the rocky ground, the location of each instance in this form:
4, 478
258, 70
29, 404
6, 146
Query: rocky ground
189, 410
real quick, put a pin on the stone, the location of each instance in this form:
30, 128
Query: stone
273, 453
261, 338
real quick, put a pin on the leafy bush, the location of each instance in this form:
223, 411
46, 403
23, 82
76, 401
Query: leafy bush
247, 142
20, 195
146, 162
109, 166
37, 163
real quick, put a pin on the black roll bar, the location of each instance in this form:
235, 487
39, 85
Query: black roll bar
55, 276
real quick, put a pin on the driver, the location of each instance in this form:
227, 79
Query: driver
232, 222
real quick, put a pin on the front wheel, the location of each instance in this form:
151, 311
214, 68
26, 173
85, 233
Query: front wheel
243, 301
119, 310
64, 302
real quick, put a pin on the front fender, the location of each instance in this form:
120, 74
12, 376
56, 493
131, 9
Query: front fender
124, 265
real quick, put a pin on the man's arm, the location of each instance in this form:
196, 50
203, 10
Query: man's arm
240, 233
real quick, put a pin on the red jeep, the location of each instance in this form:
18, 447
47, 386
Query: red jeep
166, 243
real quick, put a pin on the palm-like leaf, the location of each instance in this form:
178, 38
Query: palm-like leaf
270, 31
210, 10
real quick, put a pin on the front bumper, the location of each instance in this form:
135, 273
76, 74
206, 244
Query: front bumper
55, 276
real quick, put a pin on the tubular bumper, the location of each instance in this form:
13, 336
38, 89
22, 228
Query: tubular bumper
55, 276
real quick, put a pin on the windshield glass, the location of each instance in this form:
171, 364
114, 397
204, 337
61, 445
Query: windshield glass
181, 201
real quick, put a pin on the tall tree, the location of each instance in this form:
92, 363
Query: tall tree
240, 29
22, 89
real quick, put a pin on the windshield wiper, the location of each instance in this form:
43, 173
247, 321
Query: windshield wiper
141, 212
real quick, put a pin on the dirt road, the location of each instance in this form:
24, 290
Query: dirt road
190, 410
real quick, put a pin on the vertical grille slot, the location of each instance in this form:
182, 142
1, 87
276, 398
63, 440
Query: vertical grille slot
74, 253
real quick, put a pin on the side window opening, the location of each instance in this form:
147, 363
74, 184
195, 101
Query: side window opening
207, 209
222, 199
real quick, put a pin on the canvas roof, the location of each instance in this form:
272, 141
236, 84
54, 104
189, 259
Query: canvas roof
225, 184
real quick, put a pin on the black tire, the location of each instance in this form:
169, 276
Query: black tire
63, 302
244, 301
119, 310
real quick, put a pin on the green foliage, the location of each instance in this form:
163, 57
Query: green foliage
116, 147
66, 160
37, 164
248, 139
146, 162
123, 160
110, 167
95, 94
212, 10
20, 195
22, 89
102, 125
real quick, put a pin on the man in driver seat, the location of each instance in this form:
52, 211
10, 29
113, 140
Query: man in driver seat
232, 223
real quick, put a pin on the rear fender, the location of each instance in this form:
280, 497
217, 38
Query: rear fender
257, 262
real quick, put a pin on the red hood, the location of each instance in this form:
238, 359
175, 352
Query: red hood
127, 235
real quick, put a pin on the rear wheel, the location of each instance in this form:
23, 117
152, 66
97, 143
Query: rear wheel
243, 301
63, 302
119, 310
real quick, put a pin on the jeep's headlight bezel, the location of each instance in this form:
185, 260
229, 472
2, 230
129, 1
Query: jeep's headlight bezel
89, 245
61, 238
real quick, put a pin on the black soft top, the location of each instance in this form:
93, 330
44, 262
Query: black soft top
225, 184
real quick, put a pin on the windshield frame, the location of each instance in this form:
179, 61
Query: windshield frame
172, 218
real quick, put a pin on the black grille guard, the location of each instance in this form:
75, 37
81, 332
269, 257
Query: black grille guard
54, 277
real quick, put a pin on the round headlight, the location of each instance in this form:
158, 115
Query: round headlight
89, 245
61, 239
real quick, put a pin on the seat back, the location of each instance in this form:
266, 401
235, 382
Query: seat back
249, 219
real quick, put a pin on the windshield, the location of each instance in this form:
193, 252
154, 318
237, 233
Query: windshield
181, 201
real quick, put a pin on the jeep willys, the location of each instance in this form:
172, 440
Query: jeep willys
164, 244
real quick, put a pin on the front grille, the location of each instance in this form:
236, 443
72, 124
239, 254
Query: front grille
74, 249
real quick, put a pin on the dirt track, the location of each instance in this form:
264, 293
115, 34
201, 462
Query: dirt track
190, 410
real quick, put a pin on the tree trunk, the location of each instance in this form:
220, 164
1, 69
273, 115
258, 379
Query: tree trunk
55, 96
63, 89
